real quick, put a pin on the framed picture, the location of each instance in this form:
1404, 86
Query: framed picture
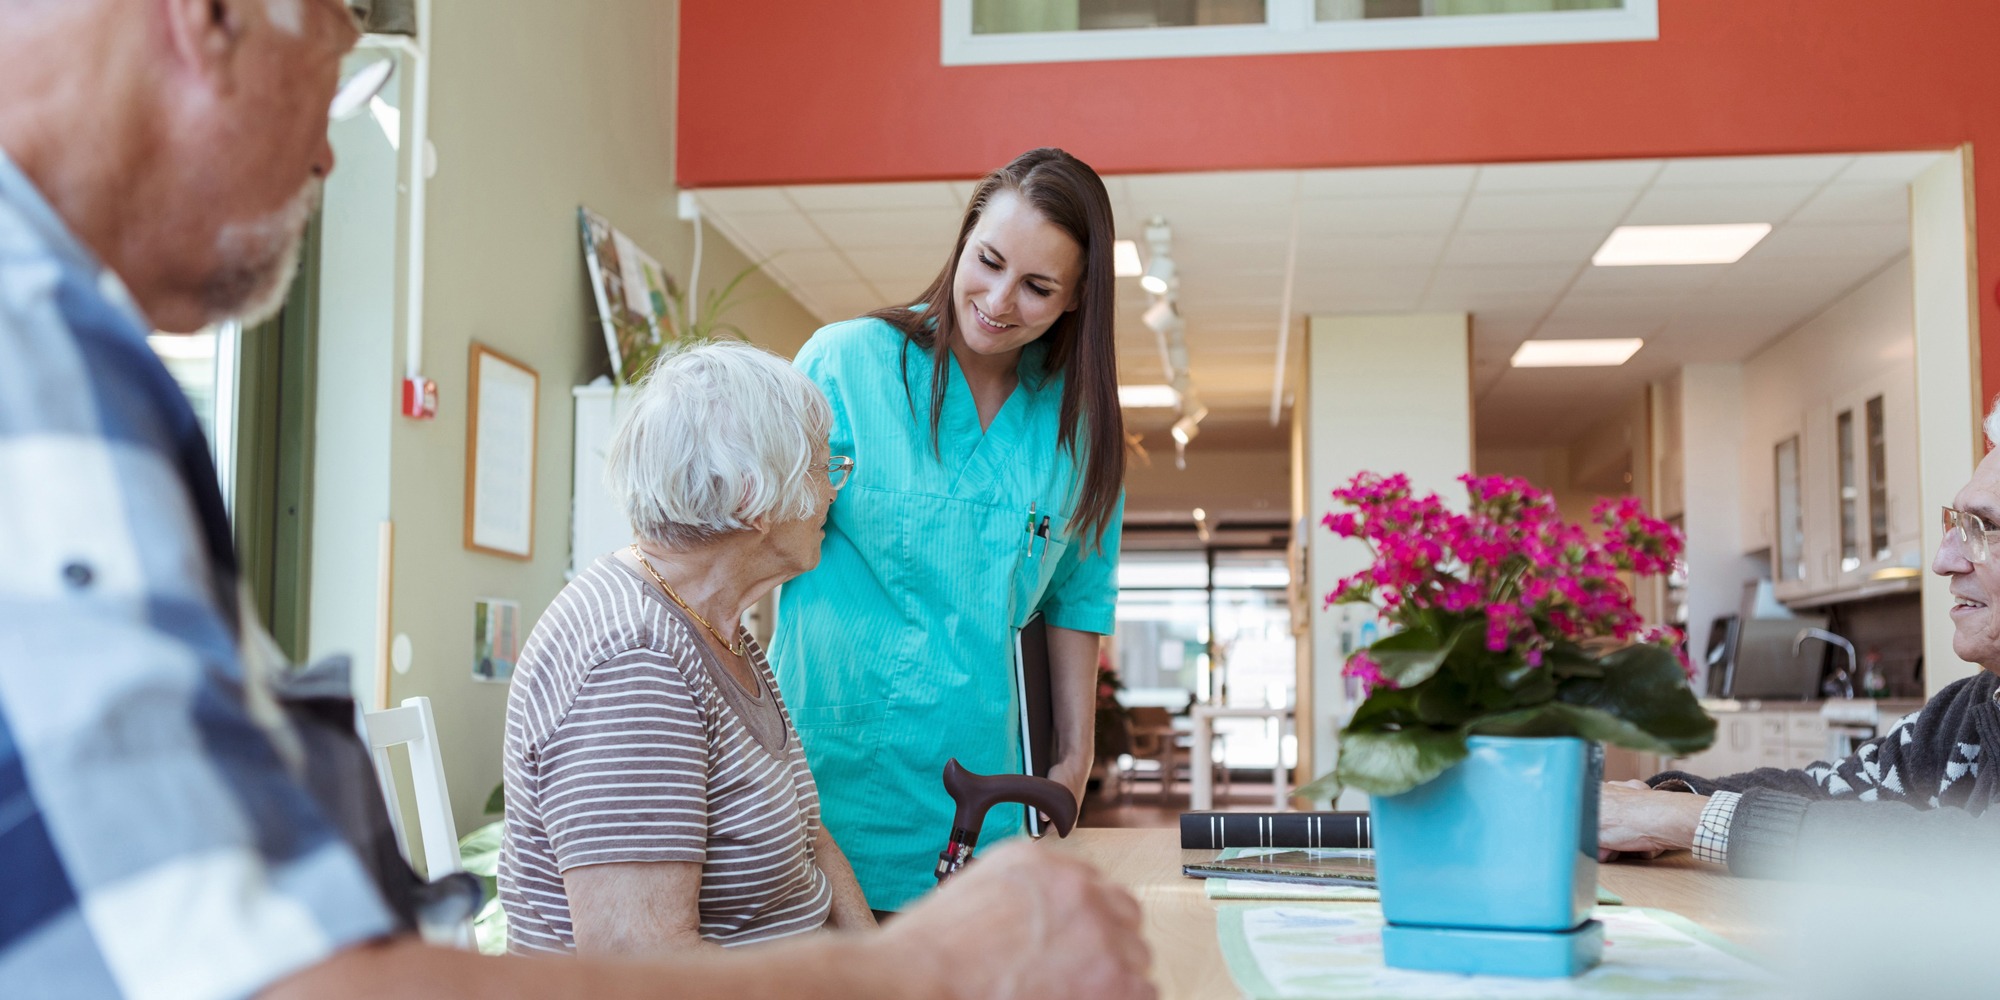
632, 291
496, 639
500, 455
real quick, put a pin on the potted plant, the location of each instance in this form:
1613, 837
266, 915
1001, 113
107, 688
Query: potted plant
1514, 651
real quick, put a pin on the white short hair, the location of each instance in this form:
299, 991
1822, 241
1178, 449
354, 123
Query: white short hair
1992, 424
722, 435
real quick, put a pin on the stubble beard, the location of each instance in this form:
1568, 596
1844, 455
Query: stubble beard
258, 260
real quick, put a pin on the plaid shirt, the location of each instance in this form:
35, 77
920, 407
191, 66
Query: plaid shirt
155, 840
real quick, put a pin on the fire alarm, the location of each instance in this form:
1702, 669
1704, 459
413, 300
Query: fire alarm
420, 398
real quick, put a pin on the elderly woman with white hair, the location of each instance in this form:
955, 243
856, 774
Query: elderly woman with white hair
657, 796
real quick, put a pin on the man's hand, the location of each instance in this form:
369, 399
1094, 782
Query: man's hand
1023, 923
1634, 819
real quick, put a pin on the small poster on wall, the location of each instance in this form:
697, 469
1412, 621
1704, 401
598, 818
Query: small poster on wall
496, 639
631, 289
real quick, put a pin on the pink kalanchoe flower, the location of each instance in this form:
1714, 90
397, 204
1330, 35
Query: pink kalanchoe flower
1363, 667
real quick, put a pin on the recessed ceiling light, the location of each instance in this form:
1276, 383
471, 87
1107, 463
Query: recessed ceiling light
1125, 259
1575, 353
1640, 246
1143, 397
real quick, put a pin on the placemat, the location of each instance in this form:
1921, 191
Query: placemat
1278, 952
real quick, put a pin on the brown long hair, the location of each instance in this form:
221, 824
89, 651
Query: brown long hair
1066, 192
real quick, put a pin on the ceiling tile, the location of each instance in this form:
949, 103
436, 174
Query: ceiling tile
1628, 175
1387, 214
1523, 247
1687, 206
1751, 170
900, 263
1379, 251
1649, 280
1508, 278
744, 199
936, 228
775, 232
812, 267
1387, 181
1900, 168
1842, 203
1576, 210
1876, 241
1153, 192
859, 197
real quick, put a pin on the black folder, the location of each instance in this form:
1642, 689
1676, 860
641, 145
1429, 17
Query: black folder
1035, 688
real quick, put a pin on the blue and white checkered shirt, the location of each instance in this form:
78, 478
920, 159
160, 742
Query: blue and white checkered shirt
154, 839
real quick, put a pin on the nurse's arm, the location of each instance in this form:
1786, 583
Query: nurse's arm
1073, 680
850, 906
637, 908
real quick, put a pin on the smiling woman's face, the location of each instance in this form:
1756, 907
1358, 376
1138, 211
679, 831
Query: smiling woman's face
1017, 276
1975, 586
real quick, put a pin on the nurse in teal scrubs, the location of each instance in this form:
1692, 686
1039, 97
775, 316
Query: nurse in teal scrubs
989, 458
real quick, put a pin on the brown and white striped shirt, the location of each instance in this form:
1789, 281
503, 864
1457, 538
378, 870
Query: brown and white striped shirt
628, 742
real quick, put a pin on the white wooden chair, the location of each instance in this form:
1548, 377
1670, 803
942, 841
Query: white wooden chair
413, 726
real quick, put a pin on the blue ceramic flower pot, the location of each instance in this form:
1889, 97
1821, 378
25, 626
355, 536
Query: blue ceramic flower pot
1503, 841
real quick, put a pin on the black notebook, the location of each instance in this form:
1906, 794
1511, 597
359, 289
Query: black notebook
1213, 831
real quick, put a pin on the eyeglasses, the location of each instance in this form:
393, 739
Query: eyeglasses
1975, 533
836, 469
359, 88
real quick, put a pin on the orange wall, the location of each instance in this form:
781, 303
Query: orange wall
778, 91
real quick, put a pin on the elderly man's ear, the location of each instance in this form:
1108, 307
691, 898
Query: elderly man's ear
205, 34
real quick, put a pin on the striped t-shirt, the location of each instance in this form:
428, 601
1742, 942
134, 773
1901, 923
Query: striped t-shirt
628, 742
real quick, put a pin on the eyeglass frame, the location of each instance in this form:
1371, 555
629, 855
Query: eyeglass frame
840, 464
1978, 548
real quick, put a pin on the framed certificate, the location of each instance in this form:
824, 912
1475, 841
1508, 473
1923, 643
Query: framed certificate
500, 455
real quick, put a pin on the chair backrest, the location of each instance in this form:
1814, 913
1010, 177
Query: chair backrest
1145, 717
413, 726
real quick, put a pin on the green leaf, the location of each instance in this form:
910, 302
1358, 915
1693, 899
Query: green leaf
1385, 706
479, 851
1323, 789
1558, 719
1409, 658
1392, 762
1644, 686
496, 803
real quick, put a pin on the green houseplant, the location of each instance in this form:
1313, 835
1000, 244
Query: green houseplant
1515, 651
679, 324
1505, 621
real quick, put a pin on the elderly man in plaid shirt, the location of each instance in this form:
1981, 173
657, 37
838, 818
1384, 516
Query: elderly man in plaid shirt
158, 837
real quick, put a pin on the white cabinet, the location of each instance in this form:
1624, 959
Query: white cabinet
1746, 740
597, 524
1839, 500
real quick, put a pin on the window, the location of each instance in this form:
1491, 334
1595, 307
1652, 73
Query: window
1210, 626
1031, 31
204, 365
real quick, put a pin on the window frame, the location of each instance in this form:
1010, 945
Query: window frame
1291, 27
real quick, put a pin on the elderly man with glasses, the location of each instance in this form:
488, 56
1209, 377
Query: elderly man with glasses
168, 825
1919, 786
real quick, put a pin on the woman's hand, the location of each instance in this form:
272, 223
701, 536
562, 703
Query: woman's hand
1071, 773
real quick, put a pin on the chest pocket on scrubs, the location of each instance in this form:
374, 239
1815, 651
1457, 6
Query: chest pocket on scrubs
1035, 565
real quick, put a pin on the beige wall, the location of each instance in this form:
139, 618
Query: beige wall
531, 114
1388, 394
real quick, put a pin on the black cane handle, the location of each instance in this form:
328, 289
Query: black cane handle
975, 794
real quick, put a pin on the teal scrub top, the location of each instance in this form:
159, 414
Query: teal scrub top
895, 653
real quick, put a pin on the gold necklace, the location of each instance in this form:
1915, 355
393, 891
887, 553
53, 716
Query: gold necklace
736, 647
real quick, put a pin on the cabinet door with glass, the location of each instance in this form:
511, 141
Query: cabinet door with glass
1878, 531
1788, 528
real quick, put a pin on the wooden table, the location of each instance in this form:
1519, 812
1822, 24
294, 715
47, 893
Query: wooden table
1180, 918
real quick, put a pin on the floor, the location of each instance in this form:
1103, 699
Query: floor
1142, 807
